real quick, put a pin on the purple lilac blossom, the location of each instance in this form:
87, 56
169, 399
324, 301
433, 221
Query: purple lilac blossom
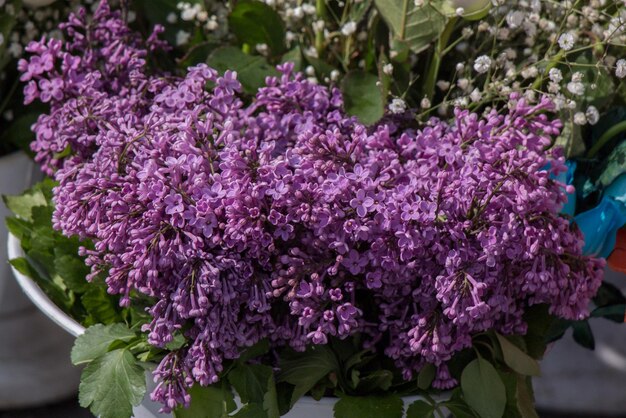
287, 219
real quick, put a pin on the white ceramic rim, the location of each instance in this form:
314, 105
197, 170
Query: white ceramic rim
37, 296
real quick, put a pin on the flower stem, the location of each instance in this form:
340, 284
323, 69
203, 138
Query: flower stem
435, 62
606, 137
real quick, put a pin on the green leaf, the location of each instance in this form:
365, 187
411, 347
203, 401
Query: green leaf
96, 340
208, 402
525, 401
19, 133
516, 359
583, 334
295, 56
51, 289
254, 22
539, 321
251, 410
379, 380
255, 384
304, 370
420, 409
23, 205
257, 350
460, 409
614, 165
100, 306
426, 376
610, 312
362, 97
483, 389
417, 26
112, 384
251, 70
73, 271
369, 407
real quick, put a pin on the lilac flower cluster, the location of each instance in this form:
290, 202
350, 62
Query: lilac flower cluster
286, 219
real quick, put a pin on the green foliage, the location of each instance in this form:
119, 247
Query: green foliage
417, 26
209, 402
362, 97
483, 389
251, 70
420, 409
254, 22
517, 359
96, 341
369, 407
255, 385
112, 384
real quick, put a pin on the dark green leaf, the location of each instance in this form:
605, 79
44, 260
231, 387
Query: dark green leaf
251, 70
208, 402
100, 306
19, 133
255, 384
112, 384
516, 359
483, 389
52, 290
257, 350
420, 409
460, 409
539, 321
362, 97
611, 312
583, 334
304, 370
614, 165
295, 56
73, 272
251, 410
369, 407
417, 26
426, 376
95, 341
525, 401
379, 380
254, 22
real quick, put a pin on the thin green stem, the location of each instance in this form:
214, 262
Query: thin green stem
606, 137
435, 62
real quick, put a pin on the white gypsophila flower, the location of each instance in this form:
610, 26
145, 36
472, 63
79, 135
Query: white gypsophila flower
290, 36
592, 114
308, 9
482, 64
262, 49
576, 87
467, 32
171, 18
349, 28
388, 69
297, 13
461, 102
418, 3
620, 68
475, 95
580, 118
334, 75
202, 16
311, 52
318, 25
459, 11
577, 76
530, 72
443, 85
515, 19
463, 83
459, 67
15, 49
312, 80
397, 106
425, 103
566, 41
309, 70
559, 102
212, 24
555, 75
182, 37
553, 87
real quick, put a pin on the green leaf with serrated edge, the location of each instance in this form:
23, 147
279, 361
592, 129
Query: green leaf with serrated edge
525, 401
112, 384
516, 359
426, 376
460, 409
304, 370
100, 306
95, 341
362, 97
23, 205
369, 407
416, 25
420, 409
50, 288
583, 335
251, 70
254, 22
483, 389
73, 272
208, 402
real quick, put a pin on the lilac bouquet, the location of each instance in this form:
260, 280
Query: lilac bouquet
245, 236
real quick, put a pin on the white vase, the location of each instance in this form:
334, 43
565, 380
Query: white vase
305, 408
577, 380
34, 354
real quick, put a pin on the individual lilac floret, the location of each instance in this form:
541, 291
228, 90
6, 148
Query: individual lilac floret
287, 219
